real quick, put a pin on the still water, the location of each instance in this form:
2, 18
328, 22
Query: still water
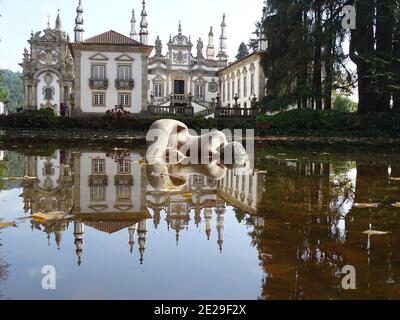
116, 228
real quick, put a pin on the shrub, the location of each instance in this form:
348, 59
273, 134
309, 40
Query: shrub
330, 123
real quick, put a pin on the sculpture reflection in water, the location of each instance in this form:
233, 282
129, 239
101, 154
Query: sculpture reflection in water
113, 191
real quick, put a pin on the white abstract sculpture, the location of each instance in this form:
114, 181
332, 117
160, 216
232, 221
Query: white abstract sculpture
175, 153
173, 142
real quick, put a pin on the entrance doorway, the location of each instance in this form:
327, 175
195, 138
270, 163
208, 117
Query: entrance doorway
179, 87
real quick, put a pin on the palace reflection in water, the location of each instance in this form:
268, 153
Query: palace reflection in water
296, 215
114, 191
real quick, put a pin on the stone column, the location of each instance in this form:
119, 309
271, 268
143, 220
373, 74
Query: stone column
144, 84
34, 97
77, 182
77, 108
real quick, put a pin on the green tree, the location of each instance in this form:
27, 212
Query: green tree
12, 86
3, 92
242, 52
305, 42
375, 49
344, 104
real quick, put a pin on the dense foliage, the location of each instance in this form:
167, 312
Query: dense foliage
330, 123
375, 49
11, 88
243, 51
45, 119
305, 62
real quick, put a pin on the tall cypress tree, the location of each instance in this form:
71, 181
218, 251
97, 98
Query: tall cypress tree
304, 61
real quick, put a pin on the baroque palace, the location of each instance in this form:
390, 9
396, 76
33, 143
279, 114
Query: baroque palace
90, 76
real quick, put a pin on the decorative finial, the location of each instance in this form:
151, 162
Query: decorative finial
144, 33
79, 23
58, 21
180, 27
48, 21
133, 34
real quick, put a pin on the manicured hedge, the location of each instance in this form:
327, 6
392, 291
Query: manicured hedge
45, 119
330, 123
292, 123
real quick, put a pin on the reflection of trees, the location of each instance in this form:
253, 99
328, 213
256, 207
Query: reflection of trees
295, 240
310, 230
377, 258
3, 271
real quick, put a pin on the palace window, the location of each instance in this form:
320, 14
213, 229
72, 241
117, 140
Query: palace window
238, 88
98, 166
98, 192
48, 169
124, 167
124, 192
158, 90
124, 99
124, 73
48, 94
98, 72
200, 89
245, 87
99, 99
252, 84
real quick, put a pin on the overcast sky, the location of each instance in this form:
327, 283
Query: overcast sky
20, 17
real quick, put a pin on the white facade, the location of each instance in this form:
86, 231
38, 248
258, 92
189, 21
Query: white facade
179, 72
47, 70
244, 79
109, 186
110, 70
111, 62
2, 108
48, 85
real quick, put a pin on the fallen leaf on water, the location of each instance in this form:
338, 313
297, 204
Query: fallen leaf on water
7, 224
30, 178
395, 179
366, 205
375, 233
396, 205
11, 179
50, 216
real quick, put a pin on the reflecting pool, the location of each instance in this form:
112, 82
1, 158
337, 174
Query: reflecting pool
114, 227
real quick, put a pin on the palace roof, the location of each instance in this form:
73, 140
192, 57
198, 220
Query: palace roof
112, 37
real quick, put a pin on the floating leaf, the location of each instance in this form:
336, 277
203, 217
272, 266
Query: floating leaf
366, 205
30, 178
395, 179
39, 216
4, 225
396, 205
375, 233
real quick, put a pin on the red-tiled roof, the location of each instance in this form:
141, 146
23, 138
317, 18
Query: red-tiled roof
110, 226
112, 37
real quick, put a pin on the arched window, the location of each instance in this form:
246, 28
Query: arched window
48, 94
